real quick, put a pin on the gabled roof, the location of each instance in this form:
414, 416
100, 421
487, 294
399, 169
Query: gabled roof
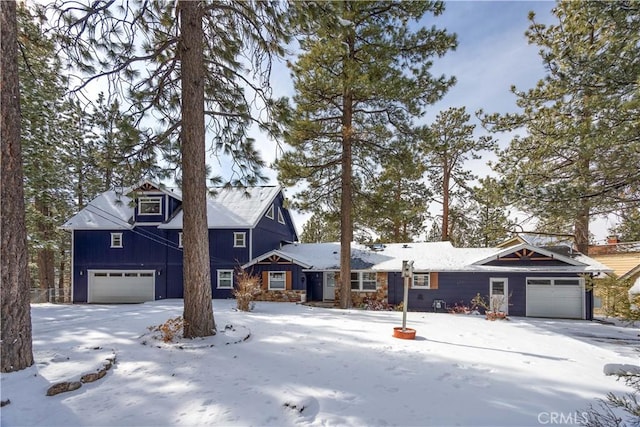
537, 240
110, 210
427, 256
148, 186
226, 208
524, 246
234, 207
278, 254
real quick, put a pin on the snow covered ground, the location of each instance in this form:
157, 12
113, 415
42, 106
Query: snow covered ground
305, 365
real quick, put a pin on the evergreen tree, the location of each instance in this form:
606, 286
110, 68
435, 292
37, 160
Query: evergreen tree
321, 228
206, 65
581, 151
493, 224
628, 230
363, 71
117, 155
448, 143
15, 325
395, 206
46, 185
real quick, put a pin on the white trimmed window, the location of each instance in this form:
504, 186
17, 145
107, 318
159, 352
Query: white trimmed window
239, 240
421, 281
149, 205
280, 216
225, 279
180, 239
270, 212
277, 280
116, 240
363, 281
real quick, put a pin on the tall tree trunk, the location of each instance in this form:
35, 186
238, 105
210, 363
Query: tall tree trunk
446, 179
198, 310
61, 275
346, 204
16, 353
45, 255
346, 222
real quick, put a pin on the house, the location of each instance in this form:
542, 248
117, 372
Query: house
623, 258
534, 281
127, 245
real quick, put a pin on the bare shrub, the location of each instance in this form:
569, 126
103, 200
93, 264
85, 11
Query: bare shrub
248, 287
169, 329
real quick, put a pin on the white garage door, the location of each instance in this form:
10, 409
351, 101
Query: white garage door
121, 286
555, 297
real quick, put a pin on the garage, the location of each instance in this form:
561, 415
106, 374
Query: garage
121, 286
555, 297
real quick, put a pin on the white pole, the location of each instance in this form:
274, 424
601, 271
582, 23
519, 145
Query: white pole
405, 303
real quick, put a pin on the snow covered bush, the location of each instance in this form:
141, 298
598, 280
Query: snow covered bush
248, 287
617, 411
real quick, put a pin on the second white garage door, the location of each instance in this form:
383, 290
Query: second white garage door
121, 286
555, 297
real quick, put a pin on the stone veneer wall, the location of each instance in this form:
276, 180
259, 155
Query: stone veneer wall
281, 296
357, 298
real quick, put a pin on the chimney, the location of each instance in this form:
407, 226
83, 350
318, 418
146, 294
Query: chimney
612, 240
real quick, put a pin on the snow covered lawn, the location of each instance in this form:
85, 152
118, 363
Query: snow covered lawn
312, 366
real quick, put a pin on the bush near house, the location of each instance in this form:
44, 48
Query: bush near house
248, 287
616, 301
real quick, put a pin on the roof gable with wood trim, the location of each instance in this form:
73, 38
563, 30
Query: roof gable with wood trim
527, 255
276, 257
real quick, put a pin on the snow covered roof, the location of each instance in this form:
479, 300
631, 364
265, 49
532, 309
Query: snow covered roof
537, 240
227, 208
110, 210
427, 256
233, 207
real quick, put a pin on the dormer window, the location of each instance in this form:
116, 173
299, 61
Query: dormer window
280, 216
270, 212
150, 206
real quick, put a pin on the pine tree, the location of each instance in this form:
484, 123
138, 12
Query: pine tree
117, 155
15, 325
47, 196
321, 228
448, 143
628, 230
206, 65
395, 205
363, 71
580, 155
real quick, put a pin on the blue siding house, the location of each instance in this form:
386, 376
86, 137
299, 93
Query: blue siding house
127, 245
529, 280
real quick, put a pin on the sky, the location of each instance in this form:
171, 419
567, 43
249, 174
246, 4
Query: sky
286, 364
492, 55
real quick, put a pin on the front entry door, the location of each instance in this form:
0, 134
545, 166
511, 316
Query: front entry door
329, 289
499, 295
